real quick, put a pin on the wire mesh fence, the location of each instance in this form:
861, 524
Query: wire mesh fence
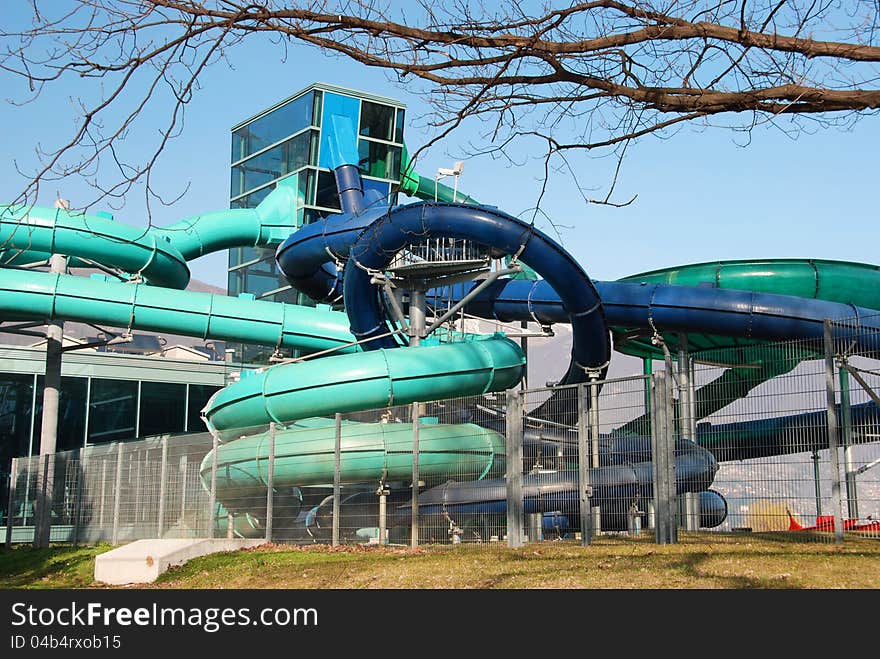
114, 492
793, 432
779, 438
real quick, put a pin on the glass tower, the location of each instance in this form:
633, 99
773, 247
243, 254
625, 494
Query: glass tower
296, 138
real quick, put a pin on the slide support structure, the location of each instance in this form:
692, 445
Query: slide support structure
514, 481
49, 427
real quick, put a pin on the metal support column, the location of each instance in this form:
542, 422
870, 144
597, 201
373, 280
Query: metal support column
416, 316
383, 493
663, 446
270, 483
514, 431
585, 489
833, 433
337, 487
849, 467
49, 428
414, 530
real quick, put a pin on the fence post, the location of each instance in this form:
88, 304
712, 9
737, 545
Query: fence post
10, 505
117, 495
80, 484
270, 484
163, 474
833, 433
414, 530
596, 511
689, 501
584, 486
212, 493
662, 449
103, 495
138, 489
514, 431
849, 469
183, 467
337, 483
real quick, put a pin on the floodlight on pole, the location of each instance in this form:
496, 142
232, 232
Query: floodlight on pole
443, 172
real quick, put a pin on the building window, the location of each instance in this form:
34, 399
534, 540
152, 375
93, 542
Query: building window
198, 398
112, 407
398, 132
383, 189
16, 401
327, 195
268, 129
378, 159
253, 199
162, 408
269, 165
71, 413
377, 121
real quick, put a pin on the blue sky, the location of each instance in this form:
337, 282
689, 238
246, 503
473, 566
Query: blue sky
701, 196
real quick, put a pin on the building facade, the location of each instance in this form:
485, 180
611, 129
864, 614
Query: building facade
294, 141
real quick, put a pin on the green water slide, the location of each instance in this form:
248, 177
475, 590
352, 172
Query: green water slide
159, 256
750, 363
833, 281
304, 457
29, 295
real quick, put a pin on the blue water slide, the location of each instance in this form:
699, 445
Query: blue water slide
368, 237
615, 488
669, 308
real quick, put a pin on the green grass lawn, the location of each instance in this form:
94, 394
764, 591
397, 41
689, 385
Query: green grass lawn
729, 561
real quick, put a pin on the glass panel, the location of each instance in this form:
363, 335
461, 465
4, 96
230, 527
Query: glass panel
234, 256
16, 399
312, 215
112, 410
307, 186
379, 160
316, 112
327, 194
266, 258
339, 130
377, 121
71, 413
398, 131
235, 283
289, 296
269, 165
259, 283
286, 120
162, 408
382, 187
198, 397
253, 199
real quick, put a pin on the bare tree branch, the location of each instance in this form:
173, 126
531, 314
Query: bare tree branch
592, 75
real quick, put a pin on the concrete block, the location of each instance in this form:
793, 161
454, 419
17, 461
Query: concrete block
143, 561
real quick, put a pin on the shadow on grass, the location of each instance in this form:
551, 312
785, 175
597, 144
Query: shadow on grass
61, 566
